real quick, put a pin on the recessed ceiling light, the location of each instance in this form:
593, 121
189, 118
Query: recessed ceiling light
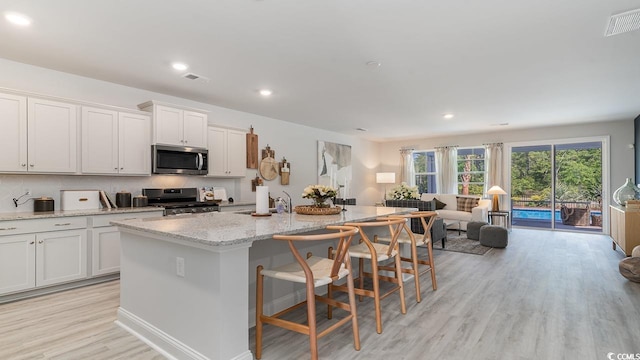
17, 19
361, 129
180, 66
448, 116
373, 63
265, 92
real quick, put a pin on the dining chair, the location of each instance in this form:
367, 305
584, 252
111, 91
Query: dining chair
416, 241
376, 253
314, 272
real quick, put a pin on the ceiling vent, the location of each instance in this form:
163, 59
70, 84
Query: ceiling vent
192, 76
623, 22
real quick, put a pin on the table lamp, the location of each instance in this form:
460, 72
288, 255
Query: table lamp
385, 178
495, 191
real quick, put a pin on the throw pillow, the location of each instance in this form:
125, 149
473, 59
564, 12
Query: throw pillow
439, 204
466, 203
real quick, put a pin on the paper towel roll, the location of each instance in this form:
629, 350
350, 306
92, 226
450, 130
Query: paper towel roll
262, 199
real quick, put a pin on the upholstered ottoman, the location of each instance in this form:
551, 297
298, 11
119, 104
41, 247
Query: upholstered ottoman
473, 229
494, 236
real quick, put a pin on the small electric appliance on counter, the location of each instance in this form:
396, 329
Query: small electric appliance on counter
43, 204
79, 199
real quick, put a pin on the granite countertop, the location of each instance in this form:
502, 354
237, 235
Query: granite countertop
227, 228
88, 212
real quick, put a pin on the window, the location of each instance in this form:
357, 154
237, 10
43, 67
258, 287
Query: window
471, 169
424, 166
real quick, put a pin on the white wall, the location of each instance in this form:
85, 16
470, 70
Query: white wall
295, 142
621, 135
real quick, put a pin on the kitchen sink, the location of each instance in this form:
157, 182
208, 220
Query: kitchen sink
249, 212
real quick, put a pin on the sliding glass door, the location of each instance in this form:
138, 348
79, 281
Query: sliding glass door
558, 186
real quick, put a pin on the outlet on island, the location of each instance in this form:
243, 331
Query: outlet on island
180, 266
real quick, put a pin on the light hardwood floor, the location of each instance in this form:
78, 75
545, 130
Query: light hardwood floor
548, 295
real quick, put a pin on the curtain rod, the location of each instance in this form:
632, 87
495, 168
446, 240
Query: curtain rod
497, 143
446, 147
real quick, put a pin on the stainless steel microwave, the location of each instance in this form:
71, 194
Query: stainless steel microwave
168, 159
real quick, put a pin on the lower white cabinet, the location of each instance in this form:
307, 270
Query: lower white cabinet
17, 263
32, 260
105, 250
61, 256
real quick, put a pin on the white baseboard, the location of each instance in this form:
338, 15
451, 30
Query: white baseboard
160, 341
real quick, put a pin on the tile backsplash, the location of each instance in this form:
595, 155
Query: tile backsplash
13, 186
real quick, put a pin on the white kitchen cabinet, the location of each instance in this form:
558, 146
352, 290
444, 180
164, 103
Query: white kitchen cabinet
13, 137
105, 241
105, 250
61, 256
41, 252
52, 136
227, 152
177, 125
17, 263
115, 142
37, 135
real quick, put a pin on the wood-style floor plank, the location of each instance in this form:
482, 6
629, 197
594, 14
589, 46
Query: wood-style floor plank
548, 295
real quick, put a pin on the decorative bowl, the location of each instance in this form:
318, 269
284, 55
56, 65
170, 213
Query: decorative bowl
313, 210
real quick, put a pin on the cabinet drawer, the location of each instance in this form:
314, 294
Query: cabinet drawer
103, 220
40, 225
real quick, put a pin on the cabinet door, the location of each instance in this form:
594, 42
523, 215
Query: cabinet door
168, 127
195, 129
13, 137
236, 153
61, 256
99, 141
105, 250
135, 144
52, 139
217, 151
17, 263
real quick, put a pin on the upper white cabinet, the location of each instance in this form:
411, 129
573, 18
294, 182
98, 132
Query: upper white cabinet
227, 152
13, 137
37, 135
115, 142
176, 125
52, 136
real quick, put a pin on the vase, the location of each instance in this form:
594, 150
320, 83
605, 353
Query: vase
628, 191
320, 202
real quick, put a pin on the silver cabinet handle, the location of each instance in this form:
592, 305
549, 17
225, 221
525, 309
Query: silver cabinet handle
121, 168
9, 228
23, 165
63, 224
31, 243
40, 242
31, 165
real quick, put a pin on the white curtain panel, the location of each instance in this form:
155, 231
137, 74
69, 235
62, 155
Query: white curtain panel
407, 173
446, 167
493, 159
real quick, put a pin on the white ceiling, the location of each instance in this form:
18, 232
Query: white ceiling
525, 63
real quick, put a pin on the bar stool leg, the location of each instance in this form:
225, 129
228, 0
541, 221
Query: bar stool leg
352, 306
433, 266
311, 321
329, 289
403, 306
376, 295
259, 304
360, 276
416, 271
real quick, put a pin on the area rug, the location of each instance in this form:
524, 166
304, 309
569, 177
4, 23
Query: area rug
460, 243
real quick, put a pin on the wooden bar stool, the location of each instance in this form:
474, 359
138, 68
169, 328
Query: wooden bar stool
376, 253
416, 240
313, 271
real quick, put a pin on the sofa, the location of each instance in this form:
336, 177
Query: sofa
438, 229
447, 207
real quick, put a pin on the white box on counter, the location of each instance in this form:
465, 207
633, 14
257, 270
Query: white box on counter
79, 199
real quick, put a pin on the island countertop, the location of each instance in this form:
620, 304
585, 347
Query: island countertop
226, 229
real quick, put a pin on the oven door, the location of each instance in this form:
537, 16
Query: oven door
179, 160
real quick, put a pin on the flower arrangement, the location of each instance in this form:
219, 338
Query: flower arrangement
319, 194
404, 192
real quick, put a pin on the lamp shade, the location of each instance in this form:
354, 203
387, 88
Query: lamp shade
496, 190
385, 178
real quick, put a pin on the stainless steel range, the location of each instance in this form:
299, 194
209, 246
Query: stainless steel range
177, 201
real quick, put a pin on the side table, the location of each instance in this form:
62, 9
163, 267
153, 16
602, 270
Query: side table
501, 218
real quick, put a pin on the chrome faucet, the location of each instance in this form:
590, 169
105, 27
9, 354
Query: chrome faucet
288, 205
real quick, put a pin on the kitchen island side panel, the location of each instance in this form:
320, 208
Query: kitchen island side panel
211, 298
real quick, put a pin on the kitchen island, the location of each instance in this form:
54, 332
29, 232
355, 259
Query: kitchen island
185, 279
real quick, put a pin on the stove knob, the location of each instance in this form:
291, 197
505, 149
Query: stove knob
174, 212
194, 210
